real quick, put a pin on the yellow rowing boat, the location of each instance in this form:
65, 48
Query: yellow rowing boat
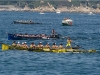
7, 47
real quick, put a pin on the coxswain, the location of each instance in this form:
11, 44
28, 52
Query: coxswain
47, 46
32, 45
53, 32
40, 46
14, 43
61, 46
69, 43
54, 46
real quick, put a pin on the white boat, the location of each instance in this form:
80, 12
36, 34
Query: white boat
58, 12
41, 13
67, 22
91, 13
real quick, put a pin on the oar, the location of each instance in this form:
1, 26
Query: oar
1, 43
78, 45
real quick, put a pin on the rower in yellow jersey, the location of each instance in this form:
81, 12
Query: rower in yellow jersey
69, 43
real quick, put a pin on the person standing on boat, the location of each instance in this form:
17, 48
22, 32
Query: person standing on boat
53, 32
69, 43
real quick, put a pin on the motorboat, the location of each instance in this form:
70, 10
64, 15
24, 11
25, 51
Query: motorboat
67, 22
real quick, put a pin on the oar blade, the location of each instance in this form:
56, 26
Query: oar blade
5, 47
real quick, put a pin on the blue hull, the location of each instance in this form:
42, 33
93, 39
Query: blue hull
15, 37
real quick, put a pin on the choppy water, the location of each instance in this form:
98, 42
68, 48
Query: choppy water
84, 32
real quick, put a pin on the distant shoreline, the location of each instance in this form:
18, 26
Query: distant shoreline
52, 9
49, 11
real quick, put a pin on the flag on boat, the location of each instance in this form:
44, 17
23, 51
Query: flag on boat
5, 47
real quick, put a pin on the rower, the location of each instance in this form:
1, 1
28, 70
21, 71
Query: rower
22, 45
69, 43
40, 46
54, 46
14, 43
26, 35
32, 46
18, 44
25, 46
61, 46
47, 46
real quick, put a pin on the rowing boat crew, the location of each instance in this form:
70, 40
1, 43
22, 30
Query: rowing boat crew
46, 48
39, 46
7, 47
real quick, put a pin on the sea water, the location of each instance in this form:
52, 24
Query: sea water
85, 32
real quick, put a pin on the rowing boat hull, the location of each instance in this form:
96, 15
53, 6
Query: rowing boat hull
64, 50
56, 50
23, 22
30, 37
15, 37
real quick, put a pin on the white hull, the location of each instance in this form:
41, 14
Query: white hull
67, 22
90, 13
58, 12
41, 13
